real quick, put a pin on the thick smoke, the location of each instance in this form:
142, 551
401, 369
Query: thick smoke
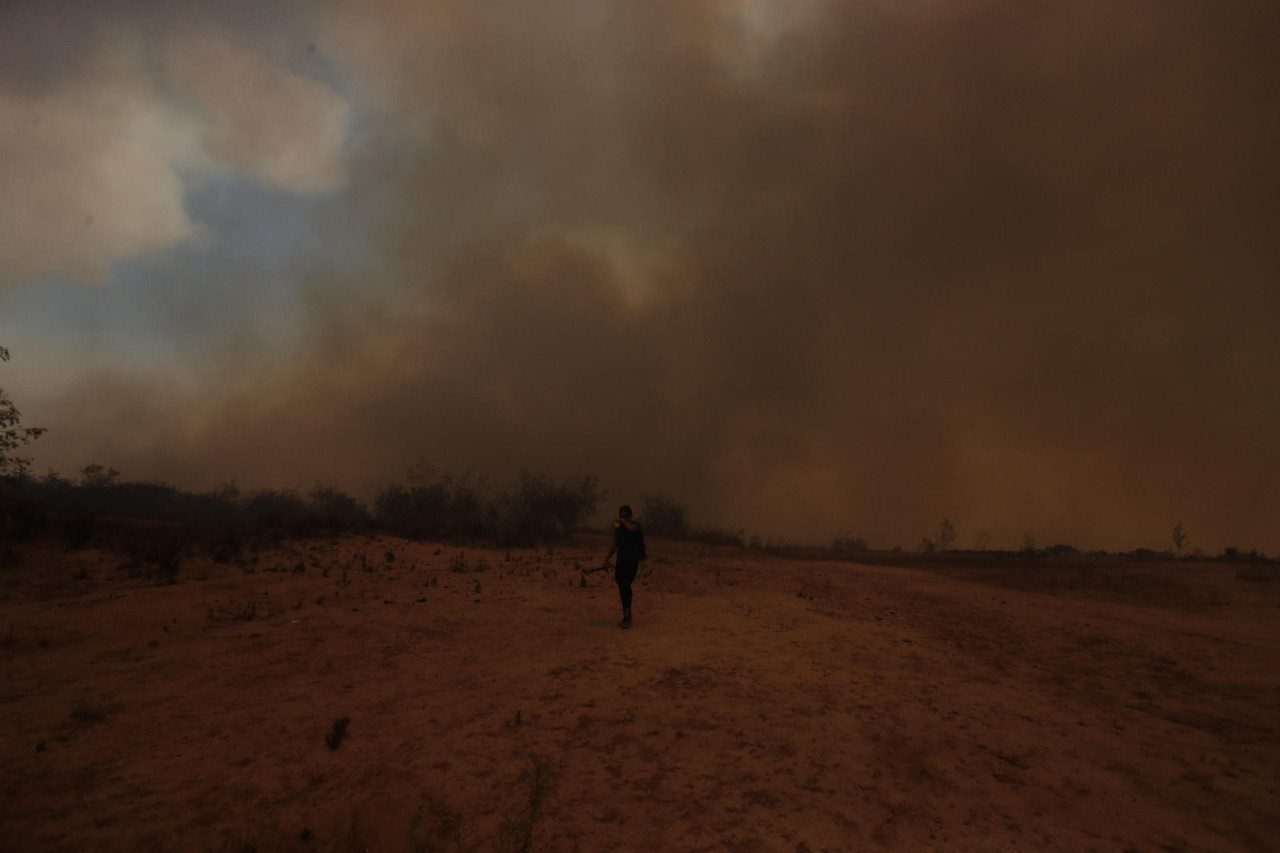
812, 267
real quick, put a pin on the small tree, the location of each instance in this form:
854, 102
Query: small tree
946, 535
539, 509
848, 542
12, 434
664, 516
98, 476
1180, 538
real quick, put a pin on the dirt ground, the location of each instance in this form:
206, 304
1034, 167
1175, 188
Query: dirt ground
758, 703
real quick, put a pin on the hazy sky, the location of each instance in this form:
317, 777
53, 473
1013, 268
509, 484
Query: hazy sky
811, 267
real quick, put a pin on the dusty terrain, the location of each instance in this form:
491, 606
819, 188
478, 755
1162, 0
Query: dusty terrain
758, 704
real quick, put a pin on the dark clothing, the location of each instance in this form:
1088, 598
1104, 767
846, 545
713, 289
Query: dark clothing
625, 575
630, 544
630, 547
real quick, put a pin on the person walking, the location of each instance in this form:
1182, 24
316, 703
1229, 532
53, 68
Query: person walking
628, 543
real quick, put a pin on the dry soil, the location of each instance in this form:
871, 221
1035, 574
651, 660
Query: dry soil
758, 703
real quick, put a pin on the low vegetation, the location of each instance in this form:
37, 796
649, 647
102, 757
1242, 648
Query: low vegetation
516, 832
99, 509
335, 737
667, 517
533, 510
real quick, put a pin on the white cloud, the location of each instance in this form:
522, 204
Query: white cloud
284, 129
89, 168
85, 179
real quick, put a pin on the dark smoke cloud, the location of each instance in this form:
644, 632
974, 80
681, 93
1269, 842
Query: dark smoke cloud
859, 270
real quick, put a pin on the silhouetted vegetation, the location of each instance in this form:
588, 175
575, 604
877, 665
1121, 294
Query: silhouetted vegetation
843, 546
848, 547
535, 509
712, 535
946, 539
334, 738
1180, 538
433, 506
662, 515
225, 521
516, 832
941, 542
155, 526
847, 542
12, 434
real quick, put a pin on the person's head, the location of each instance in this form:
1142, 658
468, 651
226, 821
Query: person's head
624, 511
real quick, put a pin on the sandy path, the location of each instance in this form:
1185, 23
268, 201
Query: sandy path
758, 704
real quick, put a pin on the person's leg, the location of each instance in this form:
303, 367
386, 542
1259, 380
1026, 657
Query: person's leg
625, 575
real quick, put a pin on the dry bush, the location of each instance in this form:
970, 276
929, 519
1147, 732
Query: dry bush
516, 832
534, 510
664, 516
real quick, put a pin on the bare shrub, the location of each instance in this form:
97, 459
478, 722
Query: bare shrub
334, 738
534, 510
516, 832
1180, 538
712, 535
333, 510
848, 542
538, 509
946, 539
664, 516
279, 508
432, 506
